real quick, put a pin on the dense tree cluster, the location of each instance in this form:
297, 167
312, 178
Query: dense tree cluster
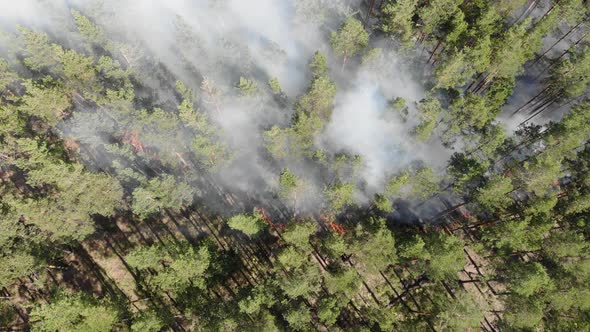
114, 215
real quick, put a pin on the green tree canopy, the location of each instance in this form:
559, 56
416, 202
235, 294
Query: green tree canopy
249, 225
74, 313
350, 40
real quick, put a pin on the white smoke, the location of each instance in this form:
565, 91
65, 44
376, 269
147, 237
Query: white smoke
260, 40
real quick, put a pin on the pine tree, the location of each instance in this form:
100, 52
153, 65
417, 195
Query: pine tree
74, 313
446, 256
429, 110
398, 18
350, 40
161, 193
249, 225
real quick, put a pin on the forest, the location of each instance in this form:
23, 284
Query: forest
294, 165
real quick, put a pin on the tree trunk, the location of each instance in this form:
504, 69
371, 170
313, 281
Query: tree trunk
556, 61
540, 110
527, 10
319, 258
448, 289
434, 51
473, 82
550, 10
449, 210
364, 283
369, 13
529, 101
484, 81
442, 49
555, 44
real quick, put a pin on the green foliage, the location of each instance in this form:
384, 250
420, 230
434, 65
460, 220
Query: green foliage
292, 258
452, 72
494, 195
492, 139
523, 313
458, 27
298, 234
376, 246
206, 144
38, 52
383, 203
249, 225
462, 314
73, 196
304, 282
46, 103
111, 69
527, 279
287, 183
319, 100
260, 297
413, 247
424, 183
328, 310
387, 318
345, 282
471, 112
178, 267
275, 86
299, 318
479, 56
185, 92
7, 313
247, 87
464, 170
15, 265
396, 183
73, 313
564, 245
572, 76
161, 193
146, 257
94, 130
436, 12
319, 65
7, 76
340, 196
429, 110
147, 322
93, 34
303, 134
511, 52
398, 18
542, 171
510, 236
292, 188
541, 205
350, 40
578, 203
79, 72
399, 106
277, 142
446, 256
498, 93
335, 245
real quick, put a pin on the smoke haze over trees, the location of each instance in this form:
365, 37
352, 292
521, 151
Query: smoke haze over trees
294, 165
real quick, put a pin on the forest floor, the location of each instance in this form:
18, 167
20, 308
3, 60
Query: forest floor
474, 279
98, 265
